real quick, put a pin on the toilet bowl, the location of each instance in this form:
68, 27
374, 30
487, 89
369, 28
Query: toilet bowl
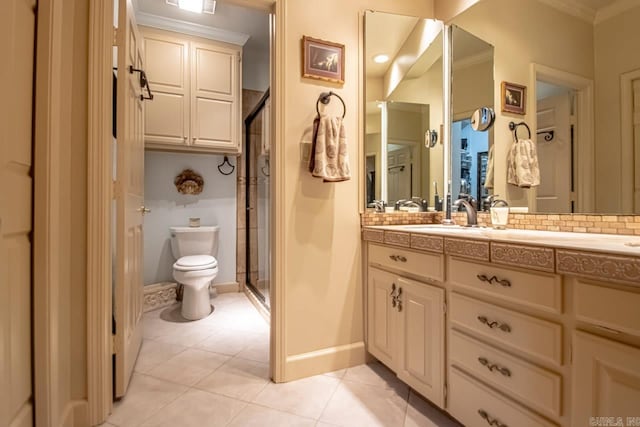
195, 268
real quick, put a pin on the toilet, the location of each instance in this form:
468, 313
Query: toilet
195, 267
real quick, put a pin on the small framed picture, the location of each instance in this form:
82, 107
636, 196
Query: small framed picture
514, 98
322, 60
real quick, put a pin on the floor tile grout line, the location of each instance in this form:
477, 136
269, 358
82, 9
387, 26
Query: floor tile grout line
339, 382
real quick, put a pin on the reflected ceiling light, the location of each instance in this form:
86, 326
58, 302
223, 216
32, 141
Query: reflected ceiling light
197, 6
381, 59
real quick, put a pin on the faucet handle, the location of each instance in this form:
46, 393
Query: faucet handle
379, 205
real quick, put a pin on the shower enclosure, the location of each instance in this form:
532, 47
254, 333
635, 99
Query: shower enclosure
257, 171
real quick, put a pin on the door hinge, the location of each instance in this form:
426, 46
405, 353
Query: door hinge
444, 307
115, 36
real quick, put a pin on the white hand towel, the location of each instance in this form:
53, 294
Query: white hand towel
329, 159
488, 179
522, 164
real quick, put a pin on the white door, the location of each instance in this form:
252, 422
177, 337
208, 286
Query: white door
421, 346
399, 175
554, 157
129, 199
606, 379
17, 30
636, 144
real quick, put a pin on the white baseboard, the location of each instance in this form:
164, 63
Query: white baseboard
325, 360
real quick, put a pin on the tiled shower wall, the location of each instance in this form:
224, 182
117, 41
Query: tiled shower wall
250, 99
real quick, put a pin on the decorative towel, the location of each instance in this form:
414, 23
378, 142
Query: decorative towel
522, 164
488, 179
329, 159
266, 128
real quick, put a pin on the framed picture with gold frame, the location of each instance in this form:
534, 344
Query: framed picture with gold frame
322, 60
514, 98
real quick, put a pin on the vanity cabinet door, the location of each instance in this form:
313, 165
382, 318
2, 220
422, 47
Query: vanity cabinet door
421, 345
382, 316
606, 379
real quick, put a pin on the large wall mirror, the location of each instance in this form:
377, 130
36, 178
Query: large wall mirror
404, 110
581, 69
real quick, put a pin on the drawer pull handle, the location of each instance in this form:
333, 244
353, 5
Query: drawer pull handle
493, 367
494, 324
489, 420
397, 300
393, 295
398, 258
502, 282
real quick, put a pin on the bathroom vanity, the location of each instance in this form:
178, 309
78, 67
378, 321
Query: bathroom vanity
508, 327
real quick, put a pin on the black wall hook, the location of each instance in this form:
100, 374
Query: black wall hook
513, 126
325, 98
226, 162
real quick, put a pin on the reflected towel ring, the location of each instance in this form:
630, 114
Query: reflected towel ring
226, 161
514, 128
325, 97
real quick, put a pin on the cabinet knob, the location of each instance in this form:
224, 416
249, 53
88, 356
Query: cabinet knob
143, 210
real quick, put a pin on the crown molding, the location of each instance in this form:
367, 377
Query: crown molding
191, 29
472, 60
573, 8
615, 9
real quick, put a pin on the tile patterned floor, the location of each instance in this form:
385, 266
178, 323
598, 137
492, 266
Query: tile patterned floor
214, 372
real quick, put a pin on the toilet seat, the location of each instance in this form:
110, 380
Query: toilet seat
195, 262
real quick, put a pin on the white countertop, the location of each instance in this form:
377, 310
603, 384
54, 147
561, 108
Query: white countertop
609, 243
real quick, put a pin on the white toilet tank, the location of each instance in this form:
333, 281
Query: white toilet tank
187, 241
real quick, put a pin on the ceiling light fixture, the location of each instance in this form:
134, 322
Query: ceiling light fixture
197, 6
381, 59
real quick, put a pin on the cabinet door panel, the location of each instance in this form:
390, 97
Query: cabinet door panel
167, 67
606, 379
214, 71
165, 119
421, 347
381, 339
213, 119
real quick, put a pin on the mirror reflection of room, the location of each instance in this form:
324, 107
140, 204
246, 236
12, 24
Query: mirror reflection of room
591, 163
403, 152
472, 92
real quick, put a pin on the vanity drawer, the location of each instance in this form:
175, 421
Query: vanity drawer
609, 307
529, 334
476, 405
426, 265
542, 291
534, 386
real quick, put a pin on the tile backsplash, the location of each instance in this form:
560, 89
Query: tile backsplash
578, 223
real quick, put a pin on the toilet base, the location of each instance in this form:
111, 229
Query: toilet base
195, 302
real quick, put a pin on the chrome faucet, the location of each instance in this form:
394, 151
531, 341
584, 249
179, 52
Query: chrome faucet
472, 216
379, 205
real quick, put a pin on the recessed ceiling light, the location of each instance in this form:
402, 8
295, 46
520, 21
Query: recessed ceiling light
191, 5
381, 59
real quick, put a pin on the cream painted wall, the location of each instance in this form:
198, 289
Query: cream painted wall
322, 276
445, 10
216, 205
616, 47
565, 43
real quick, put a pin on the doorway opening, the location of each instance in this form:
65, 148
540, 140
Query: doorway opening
469, 155
198, 352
